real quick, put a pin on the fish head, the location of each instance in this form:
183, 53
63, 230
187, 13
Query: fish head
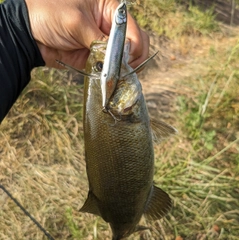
95, 61
128, 92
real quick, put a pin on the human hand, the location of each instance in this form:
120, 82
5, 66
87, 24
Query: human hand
64, 30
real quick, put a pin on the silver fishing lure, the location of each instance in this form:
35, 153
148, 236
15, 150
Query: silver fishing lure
112, 63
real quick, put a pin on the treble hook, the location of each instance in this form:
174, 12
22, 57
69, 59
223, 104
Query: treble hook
105, 110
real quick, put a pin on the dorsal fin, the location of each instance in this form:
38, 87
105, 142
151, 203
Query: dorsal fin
161, 130
91, 205
158, 205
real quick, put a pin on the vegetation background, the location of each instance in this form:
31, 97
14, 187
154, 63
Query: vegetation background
193, 84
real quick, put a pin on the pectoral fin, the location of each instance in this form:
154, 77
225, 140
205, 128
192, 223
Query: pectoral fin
161, 130
158, 205
91, 205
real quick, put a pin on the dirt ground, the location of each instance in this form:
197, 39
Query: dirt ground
164, 77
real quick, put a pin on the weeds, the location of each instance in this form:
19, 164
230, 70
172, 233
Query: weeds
173, 19
196, 21
207, 168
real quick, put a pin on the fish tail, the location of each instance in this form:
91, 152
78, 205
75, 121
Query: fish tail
116, 237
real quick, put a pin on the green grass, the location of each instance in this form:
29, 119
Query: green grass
172, 19
203, 175
42, 151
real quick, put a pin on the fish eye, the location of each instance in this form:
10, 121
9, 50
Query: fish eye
98, 66
122, 11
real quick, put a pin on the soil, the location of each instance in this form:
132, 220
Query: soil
162, 76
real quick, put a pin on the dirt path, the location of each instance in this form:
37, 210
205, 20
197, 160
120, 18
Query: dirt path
161, 79
164, 78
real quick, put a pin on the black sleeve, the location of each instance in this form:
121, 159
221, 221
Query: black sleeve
19, 53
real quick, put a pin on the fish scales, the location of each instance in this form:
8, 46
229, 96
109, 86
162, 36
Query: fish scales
119, 155
115, 169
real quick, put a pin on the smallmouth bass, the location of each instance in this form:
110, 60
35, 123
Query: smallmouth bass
119, 154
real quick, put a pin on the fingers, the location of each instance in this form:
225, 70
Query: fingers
75, 58
81, 28
89, 20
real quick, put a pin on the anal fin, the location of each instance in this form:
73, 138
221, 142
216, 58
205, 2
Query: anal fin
91, 205
158, 205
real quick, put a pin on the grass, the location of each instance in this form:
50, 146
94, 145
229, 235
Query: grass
174, 20
42, 152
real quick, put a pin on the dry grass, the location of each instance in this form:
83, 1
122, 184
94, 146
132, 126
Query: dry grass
42, 156
42, 152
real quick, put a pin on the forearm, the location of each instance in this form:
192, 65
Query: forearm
19, 53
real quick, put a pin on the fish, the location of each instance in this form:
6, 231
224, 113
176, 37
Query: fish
119, 154
112, 63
